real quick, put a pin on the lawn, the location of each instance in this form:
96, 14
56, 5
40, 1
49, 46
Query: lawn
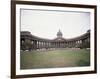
54, 58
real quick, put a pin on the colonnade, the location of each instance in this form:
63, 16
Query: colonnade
37, 44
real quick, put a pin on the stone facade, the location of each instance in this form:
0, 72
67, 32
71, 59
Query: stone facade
31, 42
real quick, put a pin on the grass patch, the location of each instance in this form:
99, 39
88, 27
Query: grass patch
54, 58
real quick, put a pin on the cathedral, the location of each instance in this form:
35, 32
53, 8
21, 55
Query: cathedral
32, 42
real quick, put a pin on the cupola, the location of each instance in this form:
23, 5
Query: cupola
59, 34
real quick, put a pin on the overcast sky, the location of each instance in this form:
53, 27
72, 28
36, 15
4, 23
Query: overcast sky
46, 24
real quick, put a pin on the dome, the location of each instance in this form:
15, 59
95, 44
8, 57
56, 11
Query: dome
59, 34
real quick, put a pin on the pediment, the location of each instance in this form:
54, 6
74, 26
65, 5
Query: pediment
60, 39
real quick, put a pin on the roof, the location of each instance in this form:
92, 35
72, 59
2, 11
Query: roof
28, 34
